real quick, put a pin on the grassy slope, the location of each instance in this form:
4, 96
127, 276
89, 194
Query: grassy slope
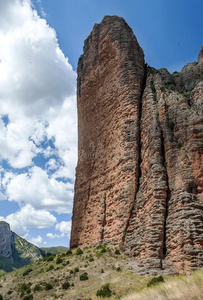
54, 250
102, 268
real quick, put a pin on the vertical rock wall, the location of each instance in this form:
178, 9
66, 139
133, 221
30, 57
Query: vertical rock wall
110, 83
139, 178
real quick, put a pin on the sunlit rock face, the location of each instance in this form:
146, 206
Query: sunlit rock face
139, 177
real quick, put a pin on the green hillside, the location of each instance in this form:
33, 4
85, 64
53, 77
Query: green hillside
54, 250
24, 253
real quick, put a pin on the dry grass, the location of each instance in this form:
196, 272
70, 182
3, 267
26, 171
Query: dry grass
174, 288
102, 268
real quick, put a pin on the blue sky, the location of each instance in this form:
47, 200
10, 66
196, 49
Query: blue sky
40, 43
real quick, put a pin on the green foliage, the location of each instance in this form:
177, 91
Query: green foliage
48, 286
165, 164
9, 292
1, 298
69, 252
27, 271
59, 260
76, 270
28, 297
179, 145
103, 250
24, 287
65, 285
50, 258
79, 251
84, 276
37, 288
171, 125
187, 95
118, 269
104, 291
51, 267
155, 280
117, 251
91, 259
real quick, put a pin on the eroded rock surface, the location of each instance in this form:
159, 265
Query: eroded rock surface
139, 178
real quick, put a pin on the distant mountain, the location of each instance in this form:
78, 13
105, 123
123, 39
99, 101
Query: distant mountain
54, 250
15, 251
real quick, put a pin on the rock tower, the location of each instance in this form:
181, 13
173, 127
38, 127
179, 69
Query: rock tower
139, 177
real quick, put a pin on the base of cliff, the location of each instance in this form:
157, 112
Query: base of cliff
91, 272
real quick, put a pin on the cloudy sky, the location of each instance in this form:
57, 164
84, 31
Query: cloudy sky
40, 42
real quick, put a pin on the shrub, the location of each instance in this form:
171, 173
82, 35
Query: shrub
69, 252
104, 291
59, 260
1, 298
9, 292
118, 269
26, 272
24, 287
29, 297
155, 280
71, 271
37, 288
84, 276
76, 270
51, 267
48, 286
79, 251
91, 259
117, 251
65, 285
103, 250
50, 258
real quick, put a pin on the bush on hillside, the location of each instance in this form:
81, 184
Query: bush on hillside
84, 276
155, 280
79, 251
26, 272
104, 291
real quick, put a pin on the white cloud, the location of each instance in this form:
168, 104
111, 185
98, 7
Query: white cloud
37, 88
37, 93
63, 227
36, 241
54, 236
28, 217
38, 189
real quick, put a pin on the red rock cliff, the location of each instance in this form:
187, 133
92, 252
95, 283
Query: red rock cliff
139, 178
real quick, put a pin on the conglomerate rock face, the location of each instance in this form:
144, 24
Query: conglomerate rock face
139, 178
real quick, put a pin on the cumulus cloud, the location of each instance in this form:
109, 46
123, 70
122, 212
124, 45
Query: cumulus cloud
28, 217
36, 241
37, 120
63, 227
42, 192
37, 86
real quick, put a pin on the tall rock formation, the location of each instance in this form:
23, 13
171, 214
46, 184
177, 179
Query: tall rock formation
139, 178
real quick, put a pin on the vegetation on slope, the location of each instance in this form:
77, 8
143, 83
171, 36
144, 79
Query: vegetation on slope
54, 250
92, 273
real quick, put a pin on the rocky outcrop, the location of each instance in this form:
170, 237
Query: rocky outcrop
139, 178
16, 249
6, 241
